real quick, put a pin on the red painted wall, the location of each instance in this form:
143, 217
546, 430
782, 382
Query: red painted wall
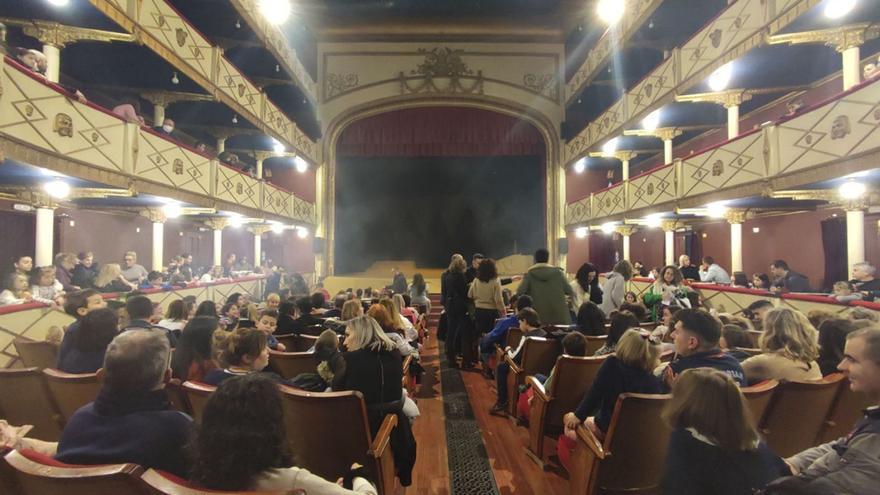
647, 246
285, 176
289, 251
579, 186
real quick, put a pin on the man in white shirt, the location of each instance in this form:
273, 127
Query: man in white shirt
712, 272
131, 271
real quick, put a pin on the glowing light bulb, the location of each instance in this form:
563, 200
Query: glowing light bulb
852, 190
300, 164
580, 166
277, 147
719, 79
716, 210
302, 232
608, 227
652, 121
57, 188
172, 210
610, 146
581, 232
653, 221
611, 11
275, 11
277, 228
835, 9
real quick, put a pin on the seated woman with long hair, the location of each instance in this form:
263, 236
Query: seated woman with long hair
110, 279
590, 319
241, 444
392, 331
621, 321
193, 358
175, 316
96, 330
789, 349
242, 352
714, 447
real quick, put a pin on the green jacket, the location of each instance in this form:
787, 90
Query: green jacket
547, 286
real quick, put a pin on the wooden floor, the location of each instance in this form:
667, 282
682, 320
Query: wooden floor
514, 472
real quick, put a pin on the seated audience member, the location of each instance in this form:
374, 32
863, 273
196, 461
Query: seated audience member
89, 343
37, 62
307, 320
242, 352
711, 272
669, 289
714, 447
832, 340
129, 109
154, 280
621, 321
336, 311
167, 128
193, 358
756, 311
140, 310
78, 304
374, 368
110, 279
499, 333
637, 309
733, 340
590, 319
850, 464
131, 420
663, 331
16, 291
286, 318
728, 319
639, 269
45, 288
845, 292
351, 309
630, 298
864, 281
332, 362
241, 444
786, 280
133, 273
761, 281
695, 336
530, 325
64, 265
207, 308
23, 265
229, 316
273, 301
627, 370
409, 314
214, 275
548, 287
741, 280
392, 330
418, 292
615, 286
818, 316
688, 271
409, 330
574, 344
266, 322
318, 303
788, 349
175, 316
86, 271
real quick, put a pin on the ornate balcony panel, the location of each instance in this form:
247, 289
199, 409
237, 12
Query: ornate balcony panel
842, 128
303, 210
167, 297
738, 22
652, 188
640, 286
161, 21
277, 200
237, 187
41, 115
275, 119
578, 212
239, 88
609, 201
659, 83
807, 303
737, 162
252, 287
166, 162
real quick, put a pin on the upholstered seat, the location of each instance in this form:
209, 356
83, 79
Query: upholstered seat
291, 364
297, 343
25, 399
41, 475
594, 343
160, 483
197, 395
538, 356
71, 391
758, 397
36, 354
845, 411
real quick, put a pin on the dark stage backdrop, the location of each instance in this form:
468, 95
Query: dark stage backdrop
426, 208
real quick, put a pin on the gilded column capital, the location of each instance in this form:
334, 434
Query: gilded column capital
669, 225
625, 230
623, 156
854, 204
840, 38
259, 229
60, 35
37, 199
664, 133
155, 215
736, 216
217, 223
729, 98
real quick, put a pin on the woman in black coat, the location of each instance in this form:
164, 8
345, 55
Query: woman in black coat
456, 306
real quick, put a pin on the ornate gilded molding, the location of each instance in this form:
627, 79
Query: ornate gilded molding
625, 230
670, 225
155, 215
840, 39
337, 84
543, 84
664, 133
217, 223
60, 35
259, 229
729, 98
737, 216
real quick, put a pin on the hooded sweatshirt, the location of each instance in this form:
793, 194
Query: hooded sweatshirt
547, 286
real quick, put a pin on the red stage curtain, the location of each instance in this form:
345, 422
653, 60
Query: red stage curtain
440, 131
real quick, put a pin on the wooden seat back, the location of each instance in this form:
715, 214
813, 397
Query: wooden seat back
538, 356
36, 354
632, 457
25, 399
197, 395
297, 343
47, 477
594, 343
314, 421
758, 398
159, 483
71, 391
796, 414
291, 364
755, 335
572, 378
514, 335
845, 411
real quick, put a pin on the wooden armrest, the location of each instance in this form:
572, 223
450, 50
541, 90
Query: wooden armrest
590, 440
538, 388
383, 436
514, 368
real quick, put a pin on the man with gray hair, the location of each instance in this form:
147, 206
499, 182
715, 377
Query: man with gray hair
131, 420
863, 280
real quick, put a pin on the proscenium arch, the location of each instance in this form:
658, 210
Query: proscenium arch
554, 176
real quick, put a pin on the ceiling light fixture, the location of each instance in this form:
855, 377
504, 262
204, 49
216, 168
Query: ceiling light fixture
716, 210
302, 232
277, 227
275, 11
608, 227
59, 3
300, 164
580, 166
175, 79
235, 220
611, 11
172, 210
835, 9
277, 147
719, 79
235, 119
852, 190
610, 146
652, 121
57, 188
653, 221
581, 232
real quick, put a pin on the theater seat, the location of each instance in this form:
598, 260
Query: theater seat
572, 378
632, 456
8, 481
758, 398
315, 422
161, 483
71, 391
25, 399
197, 395
594, 343
845, 411
177, 396
41, 475
291, 364
538, 356
36, 354
796, 413
297, 343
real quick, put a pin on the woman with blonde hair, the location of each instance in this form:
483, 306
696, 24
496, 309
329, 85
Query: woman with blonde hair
352, 309
789, 348
714, 446
395, 305
382, 315
110, 279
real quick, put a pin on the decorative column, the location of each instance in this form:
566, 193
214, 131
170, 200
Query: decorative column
258, 231
735, 218
732, 121
668, 227
217, 224
45, 232
855, 230
53, 62
260, 156
667, 134
221, 144
157, 216
623, 156
626, 231
731, 99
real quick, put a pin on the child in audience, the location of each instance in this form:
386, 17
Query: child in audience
16, 291
266, 323
175, 316
332, 362
229, 316
661, 332
575, 345
78, 305
155, 280
45, 288
844, 292
54, 335
714, 447
530, 325
214, 275
733, 340
242, 352
621, 321
631, 297
273, 301
832, 340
